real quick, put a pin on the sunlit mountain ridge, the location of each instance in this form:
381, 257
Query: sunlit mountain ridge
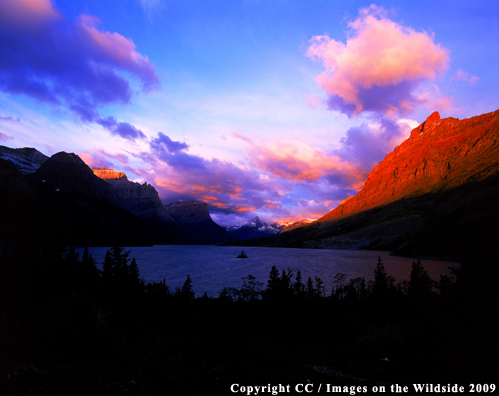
436, 194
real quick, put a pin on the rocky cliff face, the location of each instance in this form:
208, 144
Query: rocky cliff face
196, 215
140, 199
190, 212
440, 154
26, 160
109, 174
192, 217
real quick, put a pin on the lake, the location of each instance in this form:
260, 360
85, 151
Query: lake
214, 267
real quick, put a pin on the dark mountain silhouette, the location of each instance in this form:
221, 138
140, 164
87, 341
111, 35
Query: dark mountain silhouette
196, 215
64, 203
61, 198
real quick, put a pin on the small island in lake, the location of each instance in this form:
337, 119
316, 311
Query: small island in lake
242, 255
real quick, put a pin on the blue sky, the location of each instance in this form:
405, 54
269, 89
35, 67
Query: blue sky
270, 108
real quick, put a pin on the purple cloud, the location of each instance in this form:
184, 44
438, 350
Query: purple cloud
379, 99
71, 63
10, 120
122, 129
128, 131
163, 143
367, 145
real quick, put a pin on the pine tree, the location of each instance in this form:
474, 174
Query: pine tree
134, 276
338, 282
186, 291
298, 286
319, 283
383, 283
420, 283
88, 268
273, 284
380, 286
108, 269
251, 289
120, 261
310, 288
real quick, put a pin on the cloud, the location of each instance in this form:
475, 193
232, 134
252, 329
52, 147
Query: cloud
178, 174
10, 120
122, 129
298, 162
224, 186
120, 157
379, 67
461, 75
95, 160
5, 137
70, 63
164, 143
366, 145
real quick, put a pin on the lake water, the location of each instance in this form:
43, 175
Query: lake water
214, 267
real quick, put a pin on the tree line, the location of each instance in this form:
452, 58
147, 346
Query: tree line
65, 322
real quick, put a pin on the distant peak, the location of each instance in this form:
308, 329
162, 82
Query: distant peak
108, 174
434, 117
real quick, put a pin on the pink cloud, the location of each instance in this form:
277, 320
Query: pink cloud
25, 12
433, 99
461, 75
379, 66
299, 162
94, 160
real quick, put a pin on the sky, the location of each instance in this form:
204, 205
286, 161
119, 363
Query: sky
272, 108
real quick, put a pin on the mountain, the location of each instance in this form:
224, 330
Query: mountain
196, 215
439, 154
64, 203
61, 200
191, 217
436, 194
68, 173
255, 228
295, 224
140, 199
26, 160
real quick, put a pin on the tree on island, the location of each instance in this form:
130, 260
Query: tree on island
242, 255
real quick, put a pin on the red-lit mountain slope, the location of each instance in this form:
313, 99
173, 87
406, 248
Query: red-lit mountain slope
436, 194
439, 154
